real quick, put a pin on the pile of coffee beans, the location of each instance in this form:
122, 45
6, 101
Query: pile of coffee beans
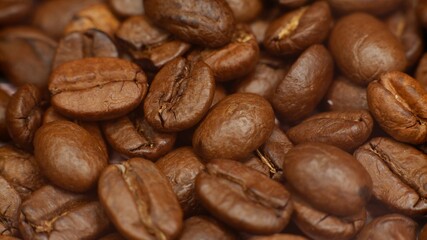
213, 119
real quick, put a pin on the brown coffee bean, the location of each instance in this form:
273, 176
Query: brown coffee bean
243, 198
363, 48
97, 88
234, 60
202, 227
245, 10
421, 71
323, 226
391, 226
20, 169
78, 45
132, 136
14, 11
344, 129
139, 200
26, 55
10, 203
378, 7
69, 156
399, 104
96, 16
318, 172
397, 171
150, 46
4, 101
305, 84
53, 16
297, 30
127, 8
207, 23
180, 95
24, 115
182, 166
52, 213
234, 128
279, 237
405, 27
344, 95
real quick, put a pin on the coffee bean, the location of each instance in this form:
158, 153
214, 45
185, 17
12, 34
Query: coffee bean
14, 11
4, 101
378, 7
132, 136
139, 200
52, 213
69, 156
179, 96
245, 10
24, 115
181, 167
10, 203
202, 227
297, 30
207, 23
391, 226
78, 45
97, 88
127, 8
234, 128
397, 171
344, 129
305, 84
344, 95
234, 60
319, 171
27, 54
323, 226
364, 48
399, 104
243, 198
20, 169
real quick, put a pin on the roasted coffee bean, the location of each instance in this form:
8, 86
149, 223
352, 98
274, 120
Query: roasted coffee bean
234, 60
182, 166
52, 213
132, 136
391, 226
4, 101
24, 115
243, 198
20, 169
208, 23
53, 16
262, 165
297, 30
202, 227
180, 95
97, 88
344, 129
149, 45
78, 45
279, 237
421, 71
26, 55
344, 95
399, 104
234, 128
397, 171
363, 48
10, 203
305, 84
378, 7
96, 16
405, 27
126, 8
319, 225
245, 10
69, 156
14, 11
139, 200
309, 167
